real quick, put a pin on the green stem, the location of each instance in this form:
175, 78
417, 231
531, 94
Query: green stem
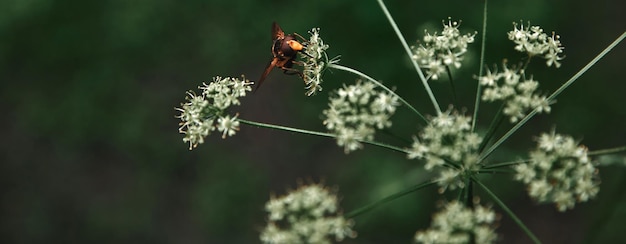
481, 67
508, 211
394, 196
495, 123
495, 171
551, 98
505, 164
359, 73
316, 133
587, 67
454, 99
527, 62
469, 193
408, 51
607, 151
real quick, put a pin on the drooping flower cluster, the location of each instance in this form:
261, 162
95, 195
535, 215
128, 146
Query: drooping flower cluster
315, 62
518, 93
440, 50
309, 214
206, 112
448, 141
533, 41
356, 111
559, 171
459, 224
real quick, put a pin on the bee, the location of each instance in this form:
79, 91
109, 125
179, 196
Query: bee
284, 49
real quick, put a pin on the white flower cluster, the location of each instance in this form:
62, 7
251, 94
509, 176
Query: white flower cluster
512, 87
307, 215
206, 112
532, 40
315, 62
448, 144
356, 111
459, 224
441, 50
559, 171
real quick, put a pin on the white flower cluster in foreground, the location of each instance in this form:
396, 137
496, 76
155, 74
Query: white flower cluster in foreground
315, 62
439, 51
206, 112
459, 224
559, 171
309, 214
449, 146
533, 41
517, 92
356, 111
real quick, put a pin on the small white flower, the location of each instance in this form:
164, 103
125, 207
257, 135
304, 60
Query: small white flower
448, 140
559, 171
229, 126
199, 114
315, 62
456, 223
356, 111
309, 214
517, 92
532, 40
439, 51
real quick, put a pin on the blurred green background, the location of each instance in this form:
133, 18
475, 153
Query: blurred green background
91, 151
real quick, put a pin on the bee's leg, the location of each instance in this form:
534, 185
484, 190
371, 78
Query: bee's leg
304, 40
292, 71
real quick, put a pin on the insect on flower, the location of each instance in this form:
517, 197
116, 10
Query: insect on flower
284, 49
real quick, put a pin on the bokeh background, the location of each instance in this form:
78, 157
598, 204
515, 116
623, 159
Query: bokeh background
90, 145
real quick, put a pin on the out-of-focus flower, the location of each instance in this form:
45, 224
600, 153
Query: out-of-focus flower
203, 113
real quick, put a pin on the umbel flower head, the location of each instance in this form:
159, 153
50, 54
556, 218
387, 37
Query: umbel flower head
315, 62
533, 41
513, 88
440, 50
206, 112
356, 111
559, 171
309, 214
449, 146
456, 223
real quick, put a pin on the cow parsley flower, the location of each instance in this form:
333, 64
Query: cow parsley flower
559, 171
533, 41
449, 147
517, 92
309, 214
456, 223
356, 111
206, 112
440, 50
315, 62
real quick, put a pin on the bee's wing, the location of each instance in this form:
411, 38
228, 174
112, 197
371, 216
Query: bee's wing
267, 71
277, 32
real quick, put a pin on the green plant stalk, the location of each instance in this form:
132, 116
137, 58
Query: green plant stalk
454, 99
481, 67
508, 211
495, 123
496, 171
469, 193
505, 164
359, 73
607, 151
408, 51
587, 67
552, 96
389, 198
316, 133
